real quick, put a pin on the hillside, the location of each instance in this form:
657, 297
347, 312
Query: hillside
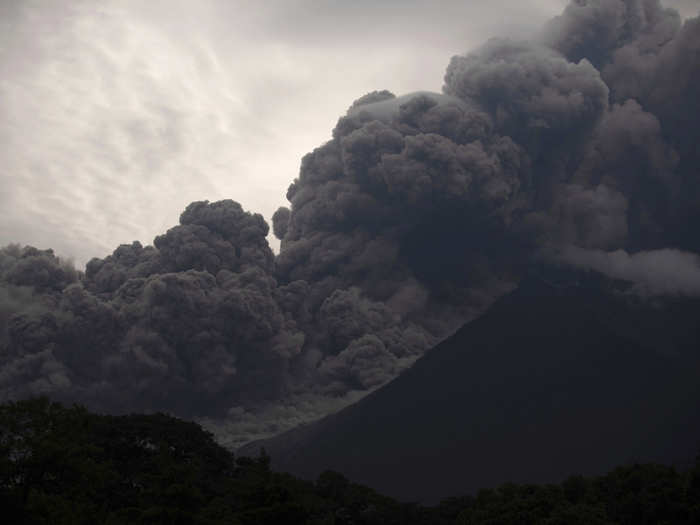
553, 379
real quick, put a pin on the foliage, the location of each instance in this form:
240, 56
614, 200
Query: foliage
67, 465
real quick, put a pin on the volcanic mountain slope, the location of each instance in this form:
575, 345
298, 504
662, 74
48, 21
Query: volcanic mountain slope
554, 379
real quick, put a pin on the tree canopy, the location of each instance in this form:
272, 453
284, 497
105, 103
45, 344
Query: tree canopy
66, 465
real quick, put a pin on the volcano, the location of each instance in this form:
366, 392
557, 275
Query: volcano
566, 375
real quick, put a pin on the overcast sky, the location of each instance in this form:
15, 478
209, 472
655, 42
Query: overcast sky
114, 115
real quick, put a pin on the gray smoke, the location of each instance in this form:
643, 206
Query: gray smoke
186, 326
418, 213
656, 272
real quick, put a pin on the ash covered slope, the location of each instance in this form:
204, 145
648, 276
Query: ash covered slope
552, 380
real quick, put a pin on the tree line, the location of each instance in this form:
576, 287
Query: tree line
66, 465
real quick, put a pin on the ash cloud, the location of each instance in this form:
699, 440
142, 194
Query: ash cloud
185, 326
655, 272
419, 212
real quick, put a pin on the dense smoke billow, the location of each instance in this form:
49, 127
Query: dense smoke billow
579, 146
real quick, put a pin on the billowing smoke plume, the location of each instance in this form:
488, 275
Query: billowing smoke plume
580, 146
187, 326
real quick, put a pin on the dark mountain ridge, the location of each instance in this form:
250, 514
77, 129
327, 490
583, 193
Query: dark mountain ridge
564, 375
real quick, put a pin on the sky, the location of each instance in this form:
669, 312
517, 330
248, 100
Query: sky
114, 115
